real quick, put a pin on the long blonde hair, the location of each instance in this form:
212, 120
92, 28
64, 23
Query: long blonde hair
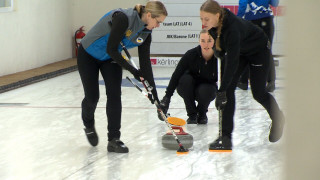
213, 7
156, 8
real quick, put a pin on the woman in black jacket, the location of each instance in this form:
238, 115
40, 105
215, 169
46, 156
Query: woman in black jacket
242, 43
195, 79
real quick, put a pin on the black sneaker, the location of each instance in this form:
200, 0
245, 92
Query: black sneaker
243, 86
271, 86
202, 119
92, 136
116, 145
192, 119
276, 129
221, 144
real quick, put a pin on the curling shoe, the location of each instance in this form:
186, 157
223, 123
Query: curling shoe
192, 119
202, 119
117, 146
221, 144
276, 129
92, 136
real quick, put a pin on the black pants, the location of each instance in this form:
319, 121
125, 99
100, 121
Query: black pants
89, 69
259, 65
267, 26
191, 90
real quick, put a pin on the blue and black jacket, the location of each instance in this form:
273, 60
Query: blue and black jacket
256, 9
121, 25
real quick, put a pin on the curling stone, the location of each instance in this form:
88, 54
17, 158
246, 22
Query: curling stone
169, 142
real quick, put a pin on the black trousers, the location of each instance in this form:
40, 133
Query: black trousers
89, 69
191, 90
267, 26
259, 65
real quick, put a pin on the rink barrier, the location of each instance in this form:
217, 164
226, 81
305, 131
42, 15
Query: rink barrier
155, 62
173, 61
37, 78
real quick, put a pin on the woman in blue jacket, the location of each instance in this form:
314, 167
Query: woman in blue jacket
100, 51
260, 13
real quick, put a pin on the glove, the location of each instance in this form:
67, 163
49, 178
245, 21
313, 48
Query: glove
219, 54
221, 100
150, 97
164, 105
137, 75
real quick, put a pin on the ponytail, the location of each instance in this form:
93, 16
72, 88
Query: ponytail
139, 8
156, 8
219, 28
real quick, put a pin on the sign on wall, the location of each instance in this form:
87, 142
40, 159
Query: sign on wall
180, 30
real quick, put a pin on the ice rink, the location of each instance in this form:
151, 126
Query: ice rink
42, 137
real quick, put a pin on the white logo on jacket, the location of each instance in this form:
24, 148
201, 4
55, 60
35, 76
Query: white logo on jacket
254, 9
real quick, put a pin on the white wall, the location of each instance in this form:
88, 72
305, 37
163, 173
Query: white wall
39, 32
36, 33
87, 13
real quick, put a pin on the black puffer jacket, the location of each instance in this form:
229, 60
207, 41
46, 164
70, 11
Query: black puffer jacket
238, 37
195, 64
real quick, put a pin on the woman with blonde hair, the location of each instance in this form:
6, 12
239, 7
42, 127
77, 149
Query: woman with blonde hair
240, 43
100, 51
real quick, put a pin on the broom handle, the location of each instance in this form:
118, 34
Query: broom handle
163, 116
220, 111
